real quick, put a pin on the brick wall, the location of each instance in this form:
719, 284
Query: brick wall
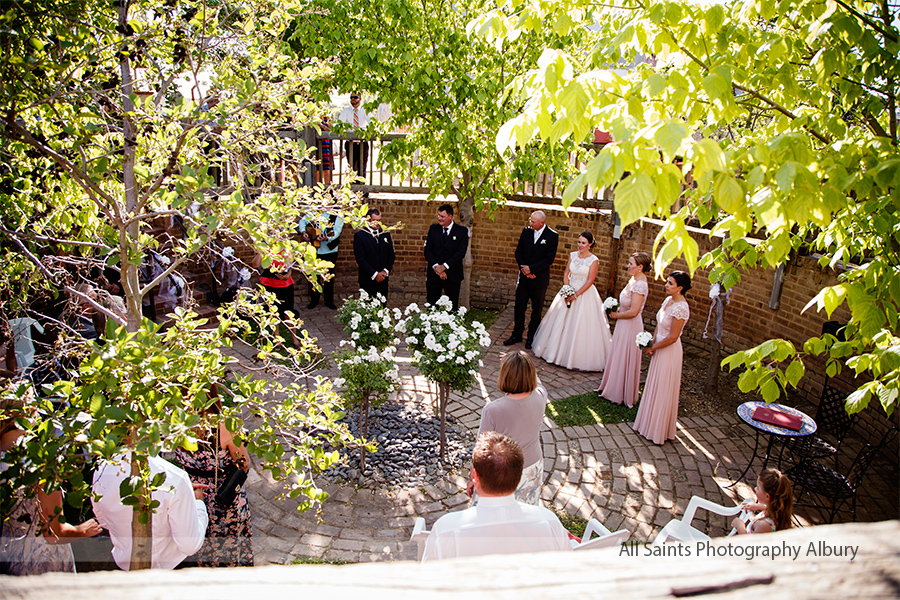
748, 319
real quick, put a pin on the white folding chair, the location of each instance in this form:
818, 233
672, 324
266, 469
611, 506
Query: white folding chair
681, 529
419, 535
605, 538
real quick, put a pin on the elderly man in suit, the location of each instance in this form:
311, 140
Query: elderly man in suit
374, 251
445, 249
535, 253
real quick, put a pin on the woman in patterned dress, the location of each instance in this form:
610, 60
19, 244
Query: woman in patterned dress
33, 540
229, 540
622, 377
658, 411
574, 333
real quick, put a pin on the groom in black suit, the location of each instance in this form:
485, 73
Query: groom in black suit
445, 249
374, 251
535, 253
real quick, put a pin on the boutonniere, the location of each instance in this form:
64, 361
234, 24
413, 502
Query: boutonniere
543, 241
454, 238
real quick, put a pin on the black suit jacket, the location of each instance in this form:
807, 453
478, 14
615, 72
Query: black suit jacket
452, 252
538, 256
374, 253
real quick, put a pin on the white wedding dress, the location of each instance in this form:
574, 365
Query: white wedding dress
576, 337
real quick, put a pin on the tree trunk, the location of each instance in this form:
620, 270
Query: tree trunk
363, 432
467, 219
141, 535
443, 398
717, 313
715, 351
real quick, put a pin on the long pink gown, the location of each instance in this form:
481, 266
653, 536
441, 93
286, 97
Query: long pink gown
658, 411
622, 377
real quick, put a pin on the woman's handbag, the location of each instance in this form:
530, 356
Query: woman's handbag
227, 490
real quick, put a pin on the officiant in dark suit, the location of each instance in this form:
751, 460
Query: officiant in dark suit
374, 251
445, 249
535, 253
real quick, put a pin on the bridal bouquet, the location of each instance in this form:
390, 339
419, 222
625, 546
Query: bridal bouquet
568, 294
610, 304
644, 339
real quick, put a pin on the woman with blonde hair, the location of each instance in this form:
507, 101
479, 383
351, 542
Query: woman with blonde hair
519, 414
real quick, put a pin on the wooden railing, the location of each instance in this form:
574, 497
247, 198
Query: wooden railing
544, 188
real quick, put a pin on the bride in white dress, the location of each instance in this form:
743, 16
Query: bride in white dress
576, 336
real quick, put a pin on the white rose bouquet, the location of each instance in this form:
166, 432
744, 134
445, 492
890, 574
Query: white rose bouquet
644, 339
610, 304
568, 294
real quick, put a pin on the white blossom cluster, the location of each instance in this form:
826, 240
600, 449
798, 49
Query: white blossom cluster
610, 304
440, 337
366, 316
370, 357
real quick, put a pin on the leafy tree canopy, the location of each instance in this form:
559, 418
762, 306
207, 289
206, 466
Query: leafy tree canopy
115, 116
783, 113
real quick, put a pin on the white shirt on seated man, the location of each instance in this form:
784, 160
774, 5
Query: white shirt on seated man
498, 524
178, 525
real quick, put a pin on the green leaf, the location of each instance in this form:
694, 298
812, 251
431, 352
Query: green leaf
728, 193
634, 196
670, 136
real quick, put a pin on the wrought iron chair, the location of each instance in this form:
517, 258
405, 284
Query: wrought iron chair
832, 420
816, 478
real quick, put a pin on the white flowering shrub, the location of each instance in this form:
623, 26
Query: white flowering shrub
444, 348
368, 322
367, 373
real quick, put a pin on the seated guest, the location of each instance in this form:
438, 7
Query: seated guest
178, 524
498, 524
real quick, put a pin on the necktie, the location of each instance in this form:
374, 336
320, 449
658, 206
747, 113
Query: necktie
446, 232
355, 118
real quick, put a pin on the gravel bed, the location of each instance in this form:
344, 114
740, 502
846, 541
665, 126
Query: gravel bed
408, 439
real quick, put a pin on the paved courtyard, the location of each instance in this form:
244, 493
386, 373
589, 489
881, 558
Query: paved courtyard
606, 472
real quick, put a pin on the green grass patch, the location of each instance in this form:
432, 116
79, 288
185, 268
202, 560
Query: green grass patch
484, 316
574, 525
588, 409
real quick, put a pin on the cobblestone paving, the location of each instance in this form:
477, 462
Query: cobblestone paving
605, 472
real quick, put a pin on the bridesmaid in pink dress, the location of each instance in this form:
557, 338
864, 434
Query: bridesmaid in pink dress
658, 410
622, 377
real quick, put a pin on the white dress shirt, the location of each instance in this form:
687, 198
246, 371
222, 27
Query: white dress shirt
178, 524
537, 233
497, 525
346, 116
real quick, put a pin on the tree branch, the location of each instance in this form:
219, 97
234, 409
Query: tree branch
51, 240
51, 277
87, 184
887, 34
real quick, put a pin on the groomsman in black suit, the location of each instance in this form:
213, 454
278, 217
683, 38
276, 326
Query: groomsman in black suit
445, 249
535, 252
374, 251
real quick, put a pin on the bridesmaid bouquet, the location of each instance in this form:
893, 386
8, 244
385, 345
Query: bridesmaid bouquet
610, 304
644, 339
567, 291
